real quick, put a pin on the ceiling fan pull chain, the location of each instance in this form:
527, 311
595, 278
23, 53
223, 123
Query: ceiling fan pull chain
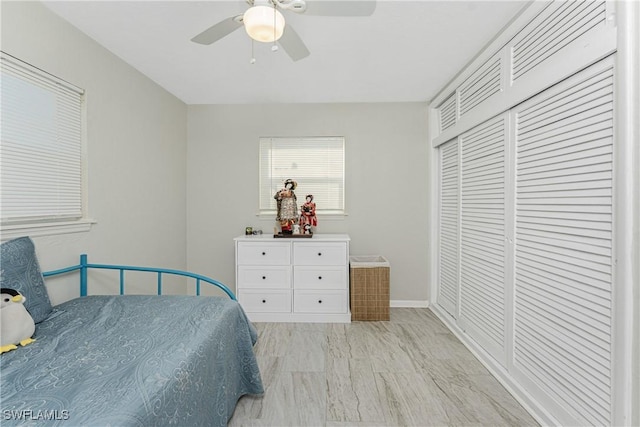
253, 58
274, 48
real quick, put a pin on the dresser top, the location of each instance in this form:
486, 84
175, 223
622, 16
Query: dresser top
316, 237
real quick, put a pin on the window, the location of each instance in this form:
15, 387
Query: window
41, 151
315, 163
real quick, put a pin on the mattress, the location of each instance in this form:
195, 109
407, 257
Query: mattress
132, 361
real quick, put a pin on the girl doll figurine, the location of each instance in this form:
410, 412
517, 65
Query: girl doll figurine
287, 206
308, 214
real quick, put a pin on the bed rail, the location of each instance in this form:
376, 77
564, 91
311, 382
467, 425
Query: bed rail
84, 266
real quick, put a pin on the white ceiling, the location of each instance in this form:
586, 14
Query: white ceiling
406, 51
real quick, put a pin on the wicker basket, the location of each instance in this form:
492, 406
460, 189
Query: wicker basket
369, 288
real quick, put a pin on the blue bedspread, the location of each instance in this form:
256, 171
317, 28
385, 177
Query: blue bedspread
132, 361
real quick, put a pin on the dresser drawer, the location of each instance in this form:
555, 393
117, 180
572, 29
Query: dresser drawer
319, 254
311, 277
264, 277
263, 253
265, 301
320, 301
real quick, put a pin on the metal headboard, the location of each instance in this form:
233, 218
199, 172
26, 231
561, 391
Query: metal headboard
84, 266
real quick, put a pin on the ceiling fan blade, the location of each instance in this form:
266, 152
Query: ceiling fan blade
340, 8
293, 44
219, 30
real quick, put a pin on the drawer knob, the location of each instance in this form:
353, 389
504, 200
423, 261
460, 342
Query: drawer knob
319, 301
264, 253
319, 277
264, 277
319, 253
264, 301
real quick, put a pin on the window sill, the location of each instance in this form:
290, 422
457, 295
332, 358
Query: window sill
45, 229
324, 216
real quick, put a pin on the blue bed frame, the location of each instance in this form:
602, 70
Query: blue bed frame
87, 357
84, 266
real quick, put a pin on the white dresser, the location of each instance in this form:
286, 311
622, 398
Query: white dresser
294, 279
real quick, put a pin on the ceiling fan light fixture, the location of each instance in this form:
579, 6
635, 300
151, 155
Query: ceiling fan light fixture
263, 23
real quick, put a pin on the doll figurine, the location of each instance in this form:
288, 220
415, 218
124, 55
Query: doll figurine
287, 206
308, 214
307, 229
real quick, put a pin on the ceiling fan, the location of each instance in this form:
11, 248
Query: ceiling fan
265, 23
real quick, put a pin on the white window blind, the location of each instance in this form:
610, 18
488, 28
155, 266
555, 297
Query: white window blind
315, 163
41, 151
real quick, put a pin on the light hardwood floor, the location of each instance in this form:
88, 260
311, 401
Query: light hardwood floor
410, 371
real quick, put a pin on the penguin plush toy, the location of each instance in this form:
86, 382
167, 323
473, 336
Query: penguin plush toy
16, 324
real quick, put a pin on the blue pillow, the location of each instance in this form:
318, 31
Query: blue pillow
20, 271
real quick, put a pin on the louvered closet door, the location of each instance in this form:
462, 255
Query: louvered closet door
449, 223
563, 269
560, 24
447, 113
482, 254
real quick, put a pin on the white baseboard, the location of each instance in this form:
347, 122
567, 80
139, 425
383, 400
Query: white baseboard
408, 303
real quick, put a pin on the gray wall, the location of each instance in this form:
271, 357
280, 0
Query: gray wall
387, 188
150, 209
136, 148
